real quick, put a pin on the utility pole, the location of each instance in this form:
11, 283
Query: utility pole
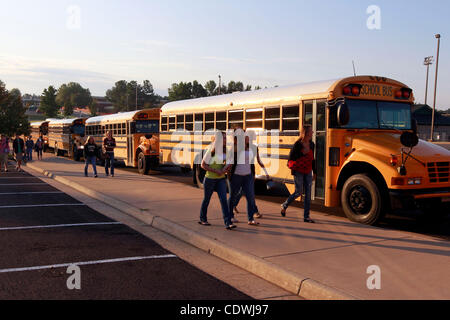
427, 62
220, 83
438, 36
136, 94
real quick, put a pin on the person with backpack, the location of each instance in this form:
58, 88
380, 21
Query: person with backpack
4, 152
39, 147
109, 143
303, 168
29, 148
19, 150
91, 151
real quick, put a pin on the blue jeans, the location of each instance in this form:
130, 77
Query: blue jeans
238, 199
109, 162
220, 186
247, 185
29, 154
301, 181
90, 160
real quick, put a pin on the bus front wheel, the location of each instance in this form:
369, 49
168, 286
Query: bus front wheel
143, 164
361, 200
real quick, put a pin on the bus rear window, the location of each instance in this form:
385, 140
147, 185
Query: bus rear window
147, 126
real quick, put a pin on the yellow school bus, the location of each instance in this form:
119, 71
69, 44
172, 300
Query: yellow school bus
67, 136
367, 159
136, 134
38, 129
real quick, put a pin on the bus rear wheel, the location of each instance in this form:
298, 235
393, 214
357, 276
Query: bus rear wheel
143, 164
361, 200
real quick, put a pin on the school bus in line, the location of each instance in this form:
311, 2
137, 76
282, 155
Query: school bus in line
136, 134
67, 136
366, 155
38, 129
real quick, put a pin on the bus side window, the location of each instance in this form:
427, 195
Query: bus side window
209, 121
236, 118
308, 107
163, 124
189, 125
198, 124
272, 118
133, 127
221, 121
291, 118
180, 122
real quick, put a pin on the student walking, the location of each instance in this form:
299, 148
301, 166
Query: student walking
19, 148
243, 178
214, 162
109, 143
90, 155
39, 147
29, 147
4, 152
302, 164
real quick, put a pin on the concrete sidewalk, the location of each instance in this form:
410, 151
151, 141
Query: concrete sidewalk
326, 260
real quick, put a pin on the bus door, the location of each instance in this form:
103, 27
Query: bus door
131, 128
314, 115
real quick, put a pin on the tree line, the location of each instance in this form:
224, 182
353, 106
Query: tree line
12, 112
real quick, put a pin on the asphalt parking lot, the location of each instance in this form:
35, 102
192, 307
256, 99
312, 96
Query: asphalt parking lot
43, 231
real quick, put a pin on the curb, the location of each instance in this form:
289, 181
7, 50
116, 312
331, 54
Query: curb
297, 284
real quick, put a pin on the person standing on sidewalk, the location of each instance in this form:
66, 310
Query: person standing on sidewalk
4, 152
243, 178
302, 164
29, 145
214, 162
109, 143
90, 155
19, 148
39, 147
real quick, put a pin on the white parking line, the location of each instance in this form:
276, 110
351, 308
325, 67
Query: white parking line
42, 205
63, 265
41, 192
61, 226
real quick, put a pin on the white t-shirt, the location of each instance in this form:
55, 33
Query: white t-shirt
243, 167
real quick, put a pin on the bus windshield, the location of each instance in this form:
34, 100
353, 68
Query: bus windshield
147, 126
366, 114
78, 129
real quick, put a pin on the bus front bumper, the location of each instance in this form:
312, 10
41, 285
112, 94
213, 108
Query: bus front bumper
408, 198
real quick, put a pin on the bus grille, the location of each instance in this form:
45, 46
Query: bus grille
438, 171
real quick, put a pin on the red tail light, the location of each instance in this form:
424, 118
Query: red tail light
355, 91
347, 90
394, 160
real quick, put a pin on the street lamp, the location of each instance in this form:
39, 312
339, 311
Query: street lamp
438, 36
427, 62
220, 83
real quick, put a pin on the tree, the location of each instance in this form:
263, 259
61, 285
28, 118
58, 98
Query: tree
211, 87
198, 91
12, 112
93, 107
123, 95
48, 102
180, 91
73, 95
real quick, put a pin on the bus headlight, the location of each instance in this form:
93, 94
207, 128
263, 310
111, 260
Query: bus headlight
414, 181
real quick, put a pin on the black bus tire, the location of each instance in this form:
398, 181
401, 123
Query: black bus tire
361, 200
143, 164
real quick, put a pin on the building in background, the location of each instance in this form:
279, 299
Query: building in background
423, 113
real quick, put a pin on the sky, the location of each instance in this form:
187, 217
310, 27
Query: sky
258, 42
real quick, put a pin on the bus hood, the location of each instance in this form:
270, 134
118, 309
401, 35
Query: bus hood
388, 143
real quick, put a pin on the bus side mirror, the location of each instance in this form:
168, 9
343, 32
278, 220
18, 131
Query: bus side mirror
409, 140
343, 114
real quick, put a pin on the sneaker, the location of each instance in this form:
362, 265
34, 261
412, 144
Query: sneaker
230, 226
257, 215
309, 220
283, 211
96, 176
204, 223
112, 175
253, 223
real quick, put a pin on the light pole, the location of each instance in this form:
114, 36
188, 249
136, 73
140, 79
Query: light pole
136, 94
438, 36
427, 62
220, 83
